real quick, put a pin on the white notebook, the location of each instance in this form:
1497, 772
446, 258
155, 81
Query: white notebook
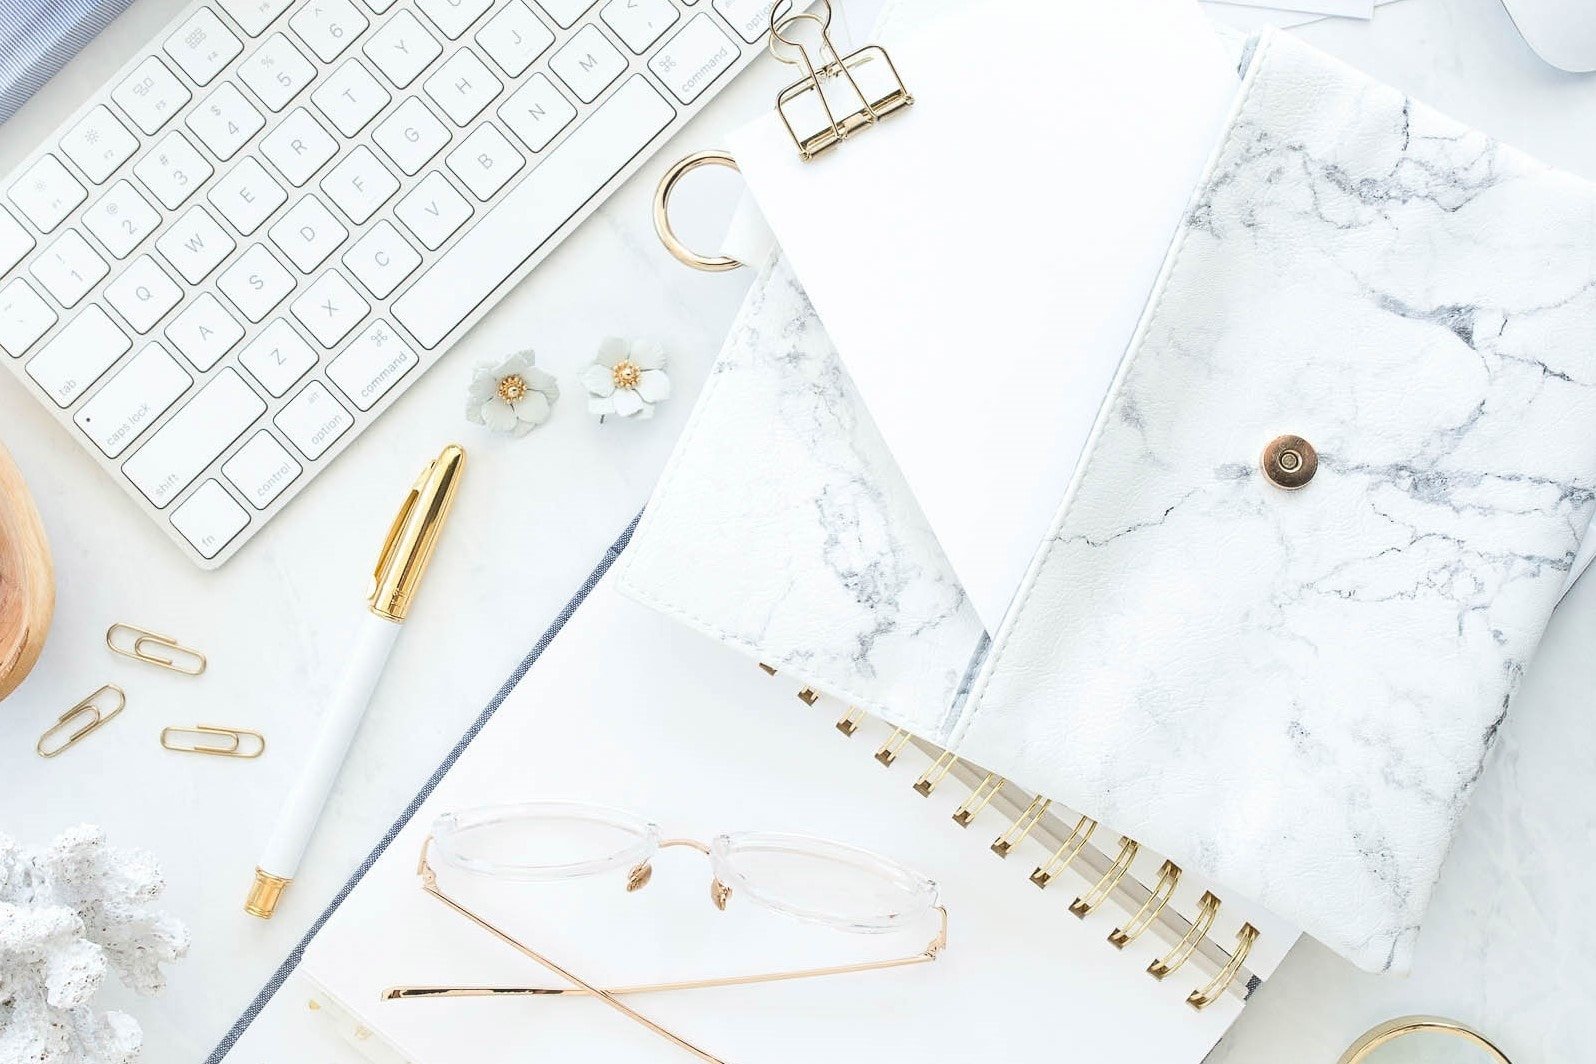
632, 709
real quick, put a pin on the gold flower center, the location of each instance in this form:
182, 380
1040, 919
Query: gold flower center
626, 373
512, 388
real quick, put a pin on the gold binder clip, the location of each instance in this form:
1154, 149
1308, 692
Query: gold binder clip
1083, 905
232, 744
138, 649
1021, 827
978, 799
808, 696
90, 709
892, 747
935, 774
1207, 909
1204, 996
848, 723
859, 107
1065, 855
1168, 877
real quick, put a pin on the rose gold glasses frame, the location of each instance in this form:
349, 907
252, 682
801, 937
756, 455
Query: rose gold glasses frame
611, 996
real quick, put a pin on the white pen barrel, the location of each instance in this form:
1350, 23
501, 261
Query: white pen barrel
374, 639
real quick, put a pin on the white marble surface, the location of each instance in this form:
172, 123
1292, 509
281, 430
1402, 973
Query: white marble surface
1508, 938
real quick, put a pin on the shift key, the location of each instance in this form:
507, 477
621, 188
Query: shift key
195, 437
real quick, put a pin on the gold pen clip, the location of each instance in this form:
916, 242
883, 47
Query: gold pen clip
185, 660
235, 742
88, 708
414, 535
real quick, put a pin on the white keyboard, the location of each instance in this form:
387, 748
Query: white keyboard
265, 227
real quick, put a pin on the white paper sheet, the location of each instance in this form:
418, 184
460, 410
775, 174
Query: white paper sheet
1344, 8
982, 258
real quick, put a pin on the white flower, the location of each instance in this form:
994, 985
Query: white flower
513, 397
627, 379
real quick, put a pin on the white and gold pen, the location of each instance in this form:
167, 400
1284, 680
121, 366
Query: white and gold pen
400, 567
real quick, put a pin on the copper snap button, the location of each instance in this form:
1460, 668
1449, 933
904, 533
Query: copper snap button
1289, 462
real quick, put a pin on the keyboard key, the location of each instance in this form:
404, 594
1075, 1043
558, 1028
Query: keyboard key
370, 367
14, 242
485, 161
329, 26
255, 15
195, 245
247, 195
174, 170
143, 294
69, 268
261, 469
463, 86
121, 218
313, 420
523, 221
225, 121
639, 23
402, 48
565, 12
411, 136
151, 95
203, 46
78, 355
47, 193
690, 62
350, 98
514, 38
537, 112
276, 72
454, 17
433, 210
588, 63
204, 332
196, 435
24, 317
255, 283
330, 308
308, 233
278, 357
298, 147
359, 184
750, 18
381, 259
210, 519
99, 143
132, 400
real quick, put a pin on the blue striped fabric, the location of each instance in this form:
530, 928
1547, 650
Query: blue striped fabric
37, 37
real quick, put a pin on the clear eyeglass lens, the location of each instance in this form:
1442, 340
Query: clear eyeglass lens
542, 841
822, 881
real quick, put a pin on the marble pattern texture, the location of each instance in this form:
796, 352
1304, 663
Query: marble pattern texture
1291, 694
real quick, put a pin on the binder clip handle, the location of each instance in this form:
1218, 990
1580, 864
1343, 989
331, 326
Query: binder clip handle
662, 220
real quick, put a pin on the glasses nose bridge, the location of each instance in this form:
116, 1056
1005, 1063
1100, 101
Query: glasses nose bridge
639, 876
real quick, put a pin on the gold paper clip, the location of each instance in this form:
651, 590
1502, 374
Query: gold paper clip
193, 666
870, 62
232, 745
1203, 997
1168, 877
1022, 826
892, 747
978, 799
935, 774
1207, 909
1083, 905
848, 723
1065, 855
90, 708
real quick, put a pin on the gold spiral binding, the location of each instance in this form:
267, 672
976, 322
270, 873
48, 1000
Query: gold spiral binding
1022, 826
1065, 855
808, 696
848, 723
1168, 877
1207, 909
1083, 905
978, 800
893, 746
935, 774
1202, 997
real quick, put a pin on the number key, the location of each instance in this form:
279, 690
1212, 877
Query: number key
151, 95
120, 219
173, 171
328, 27
276, 72
69, 268
225, 121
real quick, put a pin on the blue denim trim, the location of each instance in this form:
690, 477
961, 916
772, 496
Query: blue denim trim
280, 976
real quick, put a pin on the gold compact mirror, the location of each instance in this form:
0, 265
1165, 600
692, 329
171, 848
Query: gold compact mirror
1423, 1040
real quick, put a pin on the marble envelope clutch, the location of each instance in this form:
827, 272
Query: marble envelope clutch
1290, 691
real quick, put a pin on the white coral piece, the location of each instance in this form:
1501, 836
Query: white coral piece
69, 916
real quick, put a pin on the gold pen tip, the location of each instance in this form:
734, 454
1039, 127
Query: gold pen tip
264, 894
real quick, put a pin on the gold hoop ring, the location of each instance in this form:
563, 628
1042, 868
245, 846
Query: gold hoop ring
662, 221
1389, 1031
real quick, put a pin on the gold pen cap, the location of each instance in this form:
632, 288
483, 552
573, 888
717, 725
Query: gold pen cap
414, 535
264, 894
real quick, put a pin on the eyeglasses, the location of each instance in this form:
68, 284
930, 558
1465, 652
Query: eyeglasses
814, 880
